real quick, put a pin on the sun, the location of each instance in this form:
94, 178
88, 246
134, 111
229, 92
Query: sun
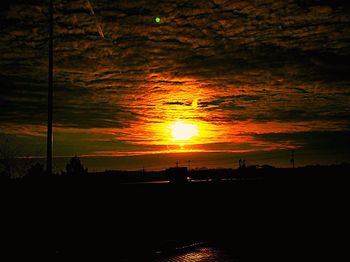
181, 131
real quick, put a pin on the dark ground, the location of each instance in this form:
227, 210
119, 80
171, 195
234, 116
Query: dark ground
100, 220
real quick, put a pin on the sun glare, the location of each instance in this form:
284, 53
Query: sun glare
181, 131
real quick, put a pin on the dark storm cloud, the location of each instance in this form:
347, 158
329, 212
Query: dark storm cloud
268, 60
174, 103
229, 102
335, 141
73, 107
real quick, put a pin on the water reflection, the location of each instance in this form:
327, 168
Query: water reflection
204, 254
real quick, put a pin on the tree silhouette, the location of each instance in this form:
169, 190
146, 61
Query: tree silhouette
9, 151
75, 168
36, 170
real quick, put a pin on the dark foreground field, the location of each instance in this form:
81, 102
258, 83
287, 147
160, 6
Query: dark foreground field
249, 220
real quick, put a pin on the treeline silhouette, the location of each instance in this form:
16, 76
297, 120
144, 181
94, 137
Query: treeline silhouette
101, 215
75, 171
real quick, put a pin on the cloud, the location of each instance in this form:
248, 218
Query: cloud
317, 141
241, 61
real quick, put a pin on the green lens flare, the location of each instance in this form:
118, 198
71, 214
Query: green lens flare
157, 19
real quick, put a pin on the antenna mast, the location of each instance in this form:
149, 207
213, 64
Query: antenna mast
292, 158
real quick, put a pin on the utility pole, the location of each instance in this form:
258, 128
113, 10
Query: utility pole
292, 158
177, 164
50, 94
189, 164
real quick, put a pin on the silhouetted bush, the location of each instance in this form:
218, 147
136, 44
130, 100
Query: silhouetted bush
36, 170
4, 176
75, 168
9, 150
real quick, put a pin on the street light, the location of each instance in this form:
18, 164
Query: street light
50, 94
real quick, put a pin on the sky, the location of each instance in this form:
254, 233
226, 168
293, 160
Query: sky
252, 79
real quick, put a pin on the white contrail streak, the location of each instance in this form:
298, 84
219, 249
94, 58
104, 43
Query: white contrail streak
98, 25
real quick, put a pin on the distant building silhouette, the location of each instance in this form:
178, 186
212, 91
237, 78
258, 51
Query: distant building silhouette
177, 174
